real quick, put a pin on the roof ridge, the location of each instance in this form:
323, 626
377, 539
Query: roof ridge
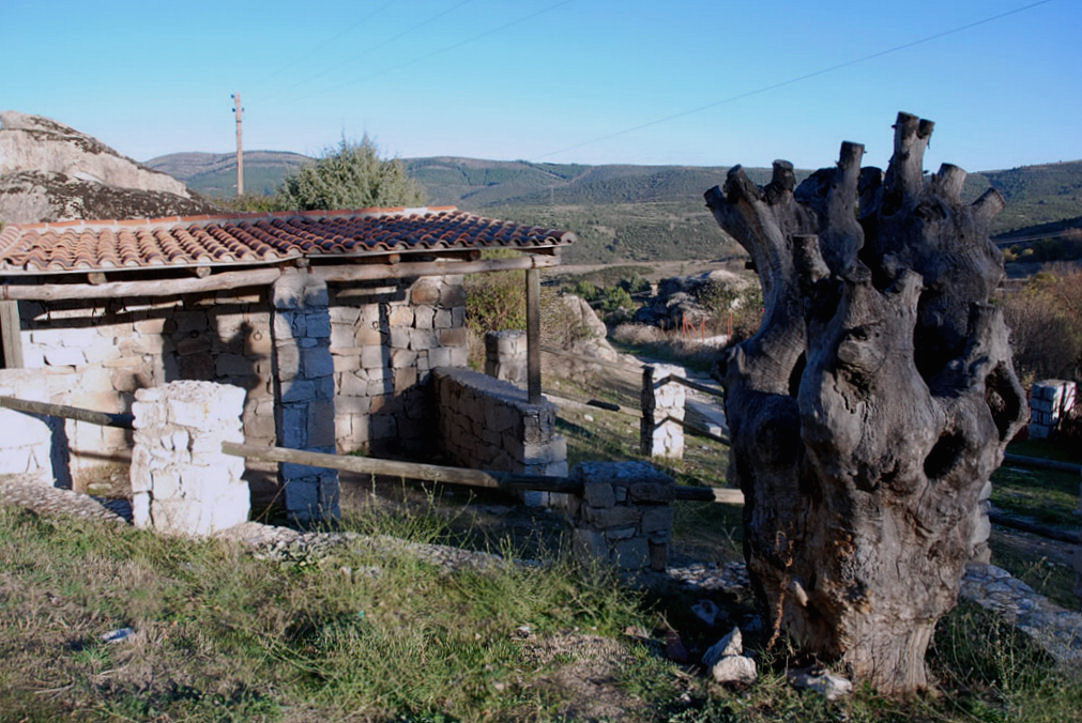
86, 224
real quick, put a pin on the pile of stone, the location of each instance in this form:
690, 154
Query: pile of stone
1050, 401
677, 302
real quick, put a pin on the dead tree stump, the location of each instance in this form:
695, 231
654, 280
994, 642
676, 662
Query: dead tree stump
872, 406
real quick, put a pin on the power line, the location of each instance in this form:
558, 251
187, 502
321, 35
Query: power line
336, 36
806, 76
384, 44
452, 46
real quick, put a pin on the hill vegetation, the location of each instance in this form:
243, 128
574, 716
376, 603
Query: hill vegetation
619, 211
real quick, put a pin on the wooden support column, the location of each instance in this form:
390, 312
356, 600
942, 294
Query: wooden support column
533, 335
10, 340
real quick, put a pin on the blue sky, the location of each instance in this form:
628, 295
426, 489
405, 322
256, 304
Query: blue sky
155, 77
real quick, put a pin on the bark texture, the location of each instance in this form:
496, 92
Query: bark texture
874, 403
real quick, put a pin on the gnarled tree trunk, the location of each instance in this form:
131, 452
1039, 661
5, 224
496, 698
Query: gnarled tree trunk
870, 409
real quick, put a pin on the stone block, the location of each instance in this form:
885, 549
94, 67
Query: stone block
316, 361
633, 554
443, 319
400, 315
454, 337
63, 356
452, 294
424, 317
426, 291
607, 517
318, 324
404, 378
598, 493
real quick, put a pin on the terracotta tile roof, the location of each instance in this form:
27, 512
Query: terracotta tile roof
254, 238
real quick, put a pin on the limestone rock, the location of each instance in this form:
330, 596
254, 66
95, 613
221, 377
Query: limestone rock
731, 644
52, 172
735, 669
827, 684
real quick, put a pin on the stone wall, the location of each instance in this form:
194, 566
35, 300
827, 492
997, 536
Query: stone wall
28, 442
385, 341
490, 424
111, 348
623, 516
181, 481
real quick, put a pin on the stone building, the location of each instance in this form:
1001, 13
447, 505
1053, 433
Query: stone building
332, 322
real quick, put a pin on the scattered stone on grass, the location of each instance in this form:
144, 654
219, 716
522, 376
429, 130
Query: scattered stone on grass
827, 684
731, 644
118, 635
727, 662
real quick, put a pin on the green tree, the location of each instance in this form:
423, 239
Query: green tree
351, 175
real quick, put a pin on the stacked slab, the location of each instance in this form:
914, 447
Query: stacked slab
1049, 402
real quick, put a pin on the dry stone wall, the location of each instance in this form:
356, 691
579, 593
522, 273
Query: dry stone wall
28, 441
488, 423
111, 348
1049, 402
624, 515
385, 341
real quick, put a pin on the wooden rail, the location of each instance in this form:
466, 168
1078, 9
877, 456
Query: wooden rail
705, 389
488, 479
699, 431
104, 419
1043, 463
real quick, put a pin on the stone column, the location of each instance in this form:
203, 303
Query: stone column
623, 516
181, 481
1049, 401
660, 433
505, 356
304, 391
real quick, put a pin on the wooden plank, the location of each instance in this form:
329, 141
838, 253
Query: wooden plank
155, 287
11, 341
104, 419
411, 470
406, 270
533, 335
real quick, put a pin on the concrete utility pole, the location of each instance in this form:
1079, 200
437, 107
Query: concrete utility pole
238, 111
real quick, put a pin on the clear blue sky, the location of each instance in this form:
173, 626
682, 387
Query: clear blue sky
153, 77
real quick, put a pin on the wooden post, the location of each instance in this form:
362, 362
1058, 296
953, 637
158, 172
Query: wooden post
647, 425
533, 335
10, 338
238, 112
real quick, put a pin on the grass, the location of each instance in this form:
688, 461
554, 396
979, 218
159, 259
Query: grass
224, 636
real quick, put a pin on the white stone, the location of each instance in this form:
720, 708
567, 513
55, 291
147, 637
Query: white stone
731, 644
827, 684
734, 669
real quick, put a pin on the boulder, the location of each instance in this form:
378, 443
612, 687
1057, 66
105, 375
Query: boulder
52, 172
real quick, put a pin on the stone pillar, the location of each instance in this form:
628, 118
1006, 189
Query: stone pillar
181, 481
304, 391
624, 516
505, 356
26, 439
660, 433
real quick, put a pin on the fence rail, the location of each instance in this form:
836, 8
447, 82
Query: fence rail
104, 419
705, 389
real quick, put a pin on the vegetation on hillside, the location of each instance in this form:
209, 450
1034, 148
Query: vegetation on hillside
1045, 319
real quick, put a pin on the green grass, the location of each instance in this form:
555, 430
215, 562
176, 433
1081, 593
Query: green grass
224, 636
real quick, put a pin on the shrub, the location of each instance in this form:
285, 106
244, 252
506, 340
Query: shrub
1045, 319
351, 175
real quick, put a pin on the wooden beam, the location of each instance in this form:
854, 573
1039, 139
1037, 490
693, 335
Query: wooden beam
11, 340
406, 270
123, 289
533, 335
104, 419
410, 470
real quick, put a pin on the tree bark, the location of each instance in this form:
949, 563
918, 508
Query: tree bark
870, 409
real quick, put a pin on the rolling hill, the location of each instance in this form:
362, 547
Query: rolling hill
619, 211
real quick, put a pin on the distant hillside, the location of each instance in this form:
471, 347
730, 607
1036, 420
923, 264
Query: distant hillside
215, 174
620, 211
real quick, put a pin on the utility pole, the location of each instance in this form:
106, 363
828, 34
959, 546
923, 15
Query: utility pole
238, 111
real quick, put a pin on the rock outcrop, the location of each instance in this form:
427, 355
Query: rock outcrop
679, 298
52, 172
